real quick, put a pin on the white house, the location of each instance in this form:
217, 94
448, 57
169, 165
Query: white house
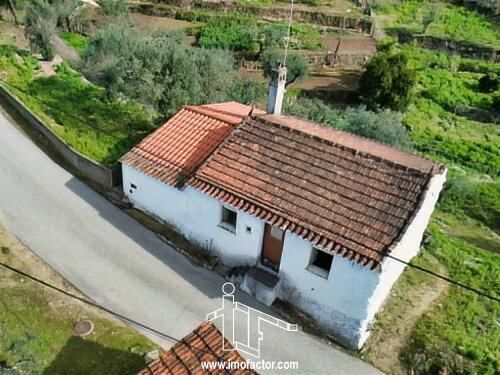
312, 210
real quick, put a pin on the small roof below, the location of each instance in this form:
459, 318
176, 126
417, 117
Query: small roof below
186, 140
204, 344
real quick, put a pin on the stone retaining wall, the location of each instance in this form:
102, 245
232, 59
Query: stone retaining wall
86, 167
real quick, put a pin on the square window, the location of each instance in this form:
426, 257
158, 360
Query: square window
228, 219
321, 262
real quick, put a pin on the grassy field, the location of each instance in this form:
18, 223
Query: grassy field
459, 333
36, 325
442, 20
77, 111
75, 40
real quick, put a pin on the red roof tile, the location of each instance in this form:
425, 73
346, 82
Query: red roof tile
204, 344
345, 193
186, 140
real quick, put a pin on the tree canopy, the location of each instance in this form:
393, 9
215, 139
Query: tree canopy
159, 70
297, 66
387, 81
40, 27
384, 126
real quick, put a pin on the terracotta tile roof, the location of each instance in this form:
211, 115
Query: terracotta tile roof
347, 194
204, 344
186, 140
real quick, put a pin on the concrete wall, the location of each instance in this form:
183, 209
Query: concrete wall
197, 216
86, 167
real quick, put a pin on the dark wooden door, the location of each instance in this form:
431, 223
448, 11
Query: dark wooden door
272, 246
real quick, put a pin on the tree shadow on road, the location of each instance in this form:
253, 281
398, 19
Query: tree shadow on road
81, 356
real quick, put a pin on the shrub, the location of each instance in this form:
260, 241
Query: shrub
40, 26
472, 197
235, 33
489, 82
156, 69
297, 66
496, 101
385, 126
247, 91
244, 33
387, 81
114, 8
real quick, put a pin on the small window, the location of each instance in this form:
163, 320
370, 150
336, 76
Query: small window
133, 186
321, 262
228, 220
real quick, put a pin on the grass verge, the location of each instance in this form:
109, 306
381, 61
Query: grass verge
75, 40
36, 325
76, 110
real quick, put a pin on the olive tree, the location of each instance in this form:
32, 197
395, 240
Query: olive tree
40, 27
159, 70
387, 81
297, 66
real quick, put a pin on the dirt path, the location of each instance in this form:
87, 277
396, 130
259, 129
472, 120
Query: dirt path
396, 321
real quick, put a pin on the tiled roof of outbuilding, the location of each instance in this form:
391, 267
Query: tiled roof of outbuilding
186, 140
204, 344
344, 193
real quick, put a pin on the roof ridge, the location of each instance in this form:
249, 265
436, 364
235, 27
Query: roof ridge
435, 167
206, 111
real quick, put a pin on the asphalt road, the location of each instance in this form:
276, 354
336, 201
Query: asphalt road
120, 264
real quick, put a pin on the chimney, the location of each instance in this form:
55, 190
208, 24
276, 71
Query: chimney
276, 91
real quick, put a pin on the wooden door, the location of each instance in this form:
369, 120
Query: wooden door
272, 246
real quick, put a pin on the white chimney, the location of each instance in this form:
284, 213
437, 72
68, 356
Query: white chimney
276, 92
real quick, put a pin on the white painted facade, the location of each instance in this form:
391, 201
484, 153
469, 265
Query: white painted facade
343, 303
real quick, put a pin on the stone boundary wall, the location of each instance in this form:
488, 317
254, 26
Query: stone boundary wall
184, 12
88, 168
452, 47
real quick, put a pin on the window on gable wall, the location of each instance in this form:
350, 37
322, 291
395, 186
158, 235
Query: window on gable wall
321, 262
228, 219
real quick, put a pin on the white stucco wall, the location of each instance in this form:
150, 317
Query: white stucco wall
197, 216
337, 303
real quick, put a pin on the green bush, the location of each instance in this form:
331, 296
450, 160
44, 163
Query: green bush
387, 81
245, 33
297, 66
114, 8
248, 91
496, 102
385, 126
81, 115
489, 82
40, 27
234, 33
157, 70
477, 199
